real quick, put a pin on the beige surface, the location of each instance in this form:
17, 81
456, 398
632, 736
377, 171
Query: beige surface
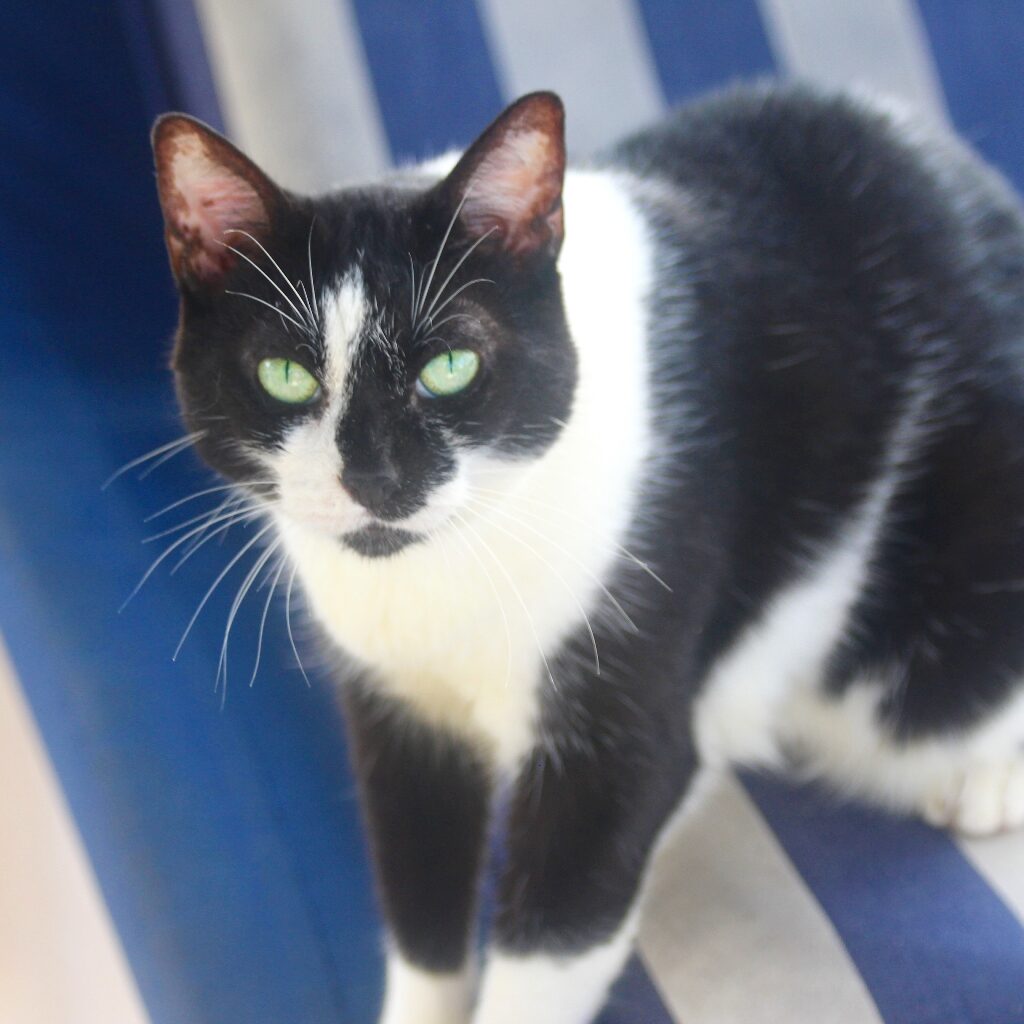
60, 962
729, 931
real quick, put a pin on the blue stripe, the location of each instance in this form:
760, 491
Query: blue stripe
226, 844
979, 51
169, 53
716, 41
432, 71
932, 941
634, 999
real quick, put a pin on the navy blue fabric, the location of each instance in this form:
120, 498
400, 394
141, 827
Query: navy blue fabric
432, 73
715, 42
979, 52
634, 999
170, 60
225, 842
931, 940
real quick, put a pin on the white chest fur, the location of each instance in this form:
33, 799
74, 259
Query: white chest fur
462, 626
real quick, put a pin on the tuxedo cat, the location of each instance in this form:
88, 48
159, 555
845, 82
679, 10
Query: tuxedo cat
708, 452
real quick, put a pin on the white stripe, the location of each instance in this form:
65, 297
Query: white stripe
295, 90
876, 44
730, 932
1000, 861
593, 53
60, 958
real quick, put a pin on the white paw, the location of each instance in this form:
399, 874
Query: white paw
981, 800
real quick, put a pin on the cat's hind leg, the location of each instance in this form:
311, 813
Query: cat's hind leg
970, 780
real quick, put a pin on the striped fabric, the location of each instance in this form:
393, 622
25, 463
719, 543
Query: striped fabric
769, 903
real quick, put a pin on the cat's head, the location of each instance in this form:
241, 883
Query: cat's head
356, 358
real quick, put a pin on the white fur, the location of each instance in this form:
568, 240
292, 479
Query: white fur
415, 996
543, 988
971, 781
308, 467
457, 625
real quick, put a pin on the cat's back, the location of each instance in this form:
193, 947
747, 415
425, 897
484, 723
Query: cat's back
837, 186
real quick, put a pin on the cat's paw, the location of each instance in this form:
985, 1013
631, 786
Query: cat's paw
982, 800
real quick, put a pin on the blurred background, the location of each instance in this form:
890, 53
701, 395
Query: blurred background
165, 859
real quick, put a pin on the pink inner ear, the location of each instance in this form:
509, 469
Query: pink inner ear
516, 187
205, 202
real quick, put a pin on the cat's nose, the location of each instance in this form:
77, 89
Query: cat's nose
374, 488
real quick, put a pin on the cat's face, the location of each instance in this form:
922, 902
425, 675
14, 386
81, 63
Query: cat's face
360, 359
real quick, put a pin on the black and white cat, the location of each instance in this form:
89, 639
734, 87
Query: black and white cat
727, 467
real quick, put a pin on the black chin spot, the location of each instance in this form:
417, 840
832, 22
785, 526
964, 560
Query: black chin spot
378, 541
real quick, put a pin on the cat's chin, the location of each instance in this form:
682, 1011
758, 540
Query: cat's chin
377, 541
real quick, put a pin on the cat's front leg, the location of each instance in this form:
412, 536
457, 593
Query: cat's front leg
425, 797
581, 832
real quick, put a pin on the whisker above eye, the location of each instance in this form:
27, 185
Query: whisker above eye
309, 259
437, 258
287, 280
252, 263
455, 294
462, 259
263, 302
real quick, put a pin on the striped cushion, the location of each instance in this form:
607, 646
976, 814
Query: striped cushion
226, 843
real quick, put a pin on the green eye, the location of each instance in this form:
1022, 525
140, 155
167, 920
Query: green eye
449, 372
287, 381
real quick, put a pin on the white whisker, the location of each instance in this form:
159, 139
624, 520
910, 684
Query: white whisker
437, 258
500, 510
512, 497
206, 597
164, 451
462, 259
282, 562
203, 493
284, 277
458, 291
501, 604
252, 263
221, 531
561, 579
288, 623
165, 554
516, 592
250, 578
263, 302
309, 258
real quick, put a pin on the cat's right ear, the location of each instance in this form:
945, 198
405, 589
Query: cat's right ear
215, 201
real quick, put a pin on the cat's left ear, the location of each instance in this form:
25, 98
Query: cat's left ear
216, 202
509, 182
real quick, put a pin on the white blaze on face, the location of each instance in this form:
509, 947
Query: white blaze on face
308, 466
